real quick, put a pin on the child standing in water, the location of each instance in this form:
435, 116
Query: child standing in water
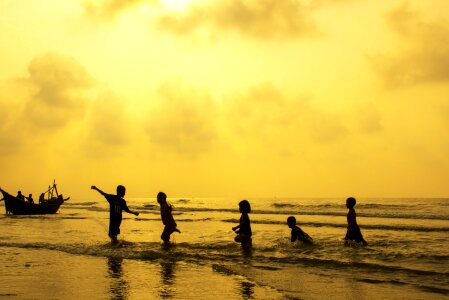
167, 217
353, 233
297, 233
244, 232
116, 205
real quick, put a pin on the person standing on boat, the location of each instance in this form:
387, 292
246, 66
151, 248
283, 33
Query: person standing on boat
20, 195
116, 205
30, 198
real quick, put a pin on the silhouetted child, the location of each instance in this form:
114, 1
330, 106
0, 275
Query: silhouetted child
167, 217
297, 233
243, 230
116, 205
353, 233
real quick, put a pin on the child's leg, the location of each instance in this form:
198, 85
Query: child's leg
114, 239
347, 237
165, 236
359, 237
114, 231
247, 243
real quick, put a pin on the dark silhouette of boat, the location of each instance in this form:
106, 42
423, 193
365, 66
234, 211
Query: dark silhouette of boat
49, 203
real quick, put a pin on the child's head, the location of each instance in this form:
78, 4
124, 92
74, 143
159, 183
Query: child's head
350, 202
291, 221
244, 206
161, 197
121, 190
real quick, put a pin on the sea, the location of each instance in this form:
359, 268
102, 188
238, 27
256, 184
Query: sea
69, 256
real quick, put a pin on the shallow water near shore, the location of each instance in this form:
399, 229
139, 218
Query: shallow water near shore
68, 255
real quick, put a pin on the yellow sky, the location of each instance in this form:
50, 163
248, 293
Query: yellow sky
238, 98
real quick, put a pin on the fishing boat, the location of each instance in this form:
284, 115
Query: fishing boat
49, 203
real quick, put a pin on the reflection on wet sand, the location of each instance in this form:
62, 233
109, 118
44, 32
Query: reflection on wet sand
119, 288
167, 290
247, 289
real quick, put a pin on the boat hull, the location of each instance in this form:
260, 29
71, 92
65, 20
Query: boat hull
16, 206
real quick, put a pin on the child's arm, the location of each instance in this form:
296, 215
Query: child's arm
98, 190
308, 236
293, 237
136, 213
240, 223
303, 236
126, 208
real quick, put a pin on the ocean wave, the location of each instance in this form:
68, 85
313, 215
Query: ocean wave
71, 203
386, 211
335, 206
229, 251
97, 208
47, 217
183, 201
323, 213
282, 205
366, 266
151, 206
139, 251
426, 288
342, 225
177, 219
154, 209
370, 273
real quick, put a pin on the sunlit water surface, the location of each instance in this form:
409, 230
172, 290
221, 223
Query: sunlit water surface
68, 255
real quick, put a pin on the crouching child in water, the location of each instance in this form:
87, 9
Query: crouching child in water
167, 217
297, 233
116, 205
243, 230
353, 233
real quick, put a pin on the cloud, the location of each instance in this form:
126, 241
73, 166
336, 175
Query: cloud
108, 123
265, 114
369, 119
326, 127
257, 18
59, 84
423, 51
260, 19
109, 9
182, 120
402, 19
187, 121
11, 136
259, 111
47, 99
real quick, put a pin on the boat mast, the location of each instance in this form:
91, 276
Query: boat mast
51, 190
54, 187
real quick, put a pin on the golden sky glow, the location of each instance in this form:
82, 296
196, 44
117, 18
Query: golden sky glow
234, 98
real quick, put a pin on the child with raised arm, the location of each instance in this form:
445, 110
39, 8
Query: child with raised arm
353, 233
167, 217
297, 233
116, 205
243, 230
